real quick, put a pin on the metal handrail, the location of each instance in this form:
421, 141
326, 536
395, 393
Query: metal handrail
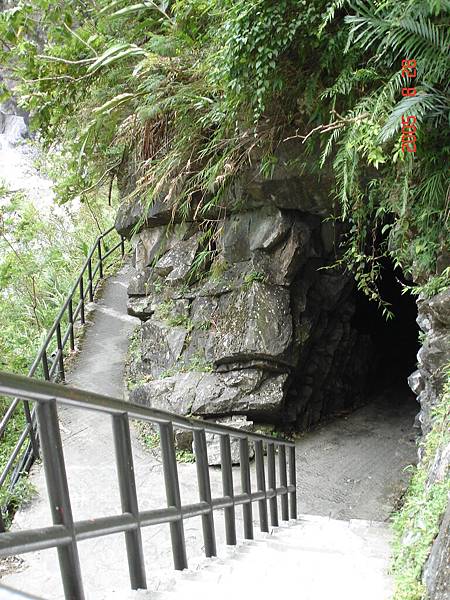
65, 534
81, 289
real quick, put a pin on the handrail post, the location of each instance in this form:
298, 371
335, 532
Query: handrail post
71, 329
128, 497
122, 245
60, 352
292, 481
29, 418
91, 289
82, 313
58, 491
204, 486
261, 483
228, 489
246, 488
100, 259
45, 366
173, 494
272, 481
283, 482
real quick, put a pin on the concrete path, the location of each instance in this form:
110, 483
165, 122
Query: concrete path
91, 471
354, 467
332, 479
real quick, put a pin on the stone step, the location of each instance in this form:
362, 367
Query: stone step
314, 559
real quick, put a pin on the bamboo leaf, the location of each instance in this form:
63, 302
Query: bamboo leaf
129, 9
107, 107
114, 54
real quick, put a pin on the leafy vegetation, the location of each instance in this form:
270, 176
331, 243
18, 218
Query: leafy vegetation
36, 271
23, 492
254, 276
147, 435
417, 524
185, 94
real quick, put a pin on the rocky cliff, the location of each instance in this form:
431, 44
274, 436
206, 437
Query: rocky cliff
428, 383
247, 321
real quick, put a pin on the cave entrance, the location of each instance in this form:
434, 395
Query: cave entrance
352, 463
353, 354
395, 340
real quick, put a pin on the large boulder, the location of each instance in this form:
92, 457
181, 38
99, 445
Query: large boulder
175, 264
141, 284
172, 394
253, 322
141, 307
268, 228
134, 214
246, 392
148, 245
282, 264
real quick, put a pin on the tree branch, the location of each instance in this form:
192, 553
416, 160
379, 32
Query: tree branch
341, 122
83, 61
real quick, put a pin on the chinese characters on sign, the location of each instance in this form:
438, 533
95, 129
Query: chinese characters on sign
409, 128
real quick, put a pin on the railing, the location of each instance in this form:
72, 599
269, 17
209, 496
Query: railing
50, 359
65, 533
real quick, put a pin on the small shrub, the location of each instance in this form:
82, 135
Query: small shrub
184, 456
23, 492
253, 276
148, 435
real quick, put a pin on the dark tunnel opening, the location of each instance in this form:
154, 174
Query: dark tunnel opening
354, 355
395, 340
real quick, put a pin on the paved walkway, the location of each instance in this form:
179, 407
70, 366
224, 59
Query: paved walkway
354, 467
327, 460
91, 471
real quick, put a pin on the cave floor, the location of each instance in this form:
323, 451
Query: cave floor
354, 467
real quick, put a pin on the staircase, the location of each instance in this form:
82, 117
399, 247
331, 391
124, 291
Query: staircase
320, 557
315, 557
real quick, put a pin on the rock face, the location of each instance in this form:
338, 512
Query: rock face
433, 357
248, 325
437, 571
428, 383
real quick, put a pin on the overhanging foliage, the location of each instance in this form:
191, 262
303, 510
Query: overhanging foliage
191, 91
